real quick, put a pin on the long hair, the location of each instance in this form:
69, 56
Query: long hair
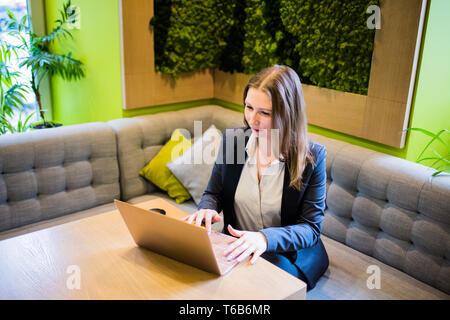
283, 86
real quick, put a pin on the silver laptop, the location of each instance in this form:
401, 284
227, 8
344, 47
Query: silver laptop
160, 229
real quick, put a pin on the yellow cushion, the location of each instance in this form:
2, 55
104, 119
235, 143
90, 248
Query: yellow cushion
157, 172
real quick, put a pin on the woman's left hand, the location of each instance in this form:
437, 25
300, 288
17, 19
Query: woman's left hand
249, 243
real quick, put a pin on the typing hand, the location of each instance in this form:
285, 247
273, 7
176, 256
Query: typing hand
204, 215
249, 243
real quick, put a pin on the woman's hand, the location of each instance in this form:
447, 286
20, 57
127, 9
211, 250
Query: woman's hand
204, 215
249, 243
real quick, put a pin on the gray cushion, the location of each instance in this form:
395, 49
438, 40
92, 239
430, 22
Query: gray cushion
53, 172
193, 168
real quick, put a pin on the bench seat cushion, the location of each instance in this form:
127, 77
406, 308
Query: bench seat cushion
346, 279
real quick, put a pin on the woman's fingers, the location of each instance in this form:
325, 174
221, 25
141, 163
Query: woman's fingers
205, 215
256, 255
199, 219
236, 252
216, 217
208, 217
240, 253
235, 232
191, 218
249, 243
246, 253
233, 246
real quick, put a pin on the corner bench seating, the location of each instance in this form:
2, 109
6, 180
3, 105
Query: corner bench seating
381, 211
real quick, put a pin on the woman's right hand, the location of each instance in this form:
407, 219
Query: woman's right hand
207, 216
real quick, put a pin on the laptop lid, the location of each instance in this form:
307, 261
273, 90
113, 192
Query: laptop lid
167, 235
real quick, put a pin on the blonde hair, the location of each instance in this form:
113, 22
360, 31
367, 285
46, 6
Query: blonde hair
283, 86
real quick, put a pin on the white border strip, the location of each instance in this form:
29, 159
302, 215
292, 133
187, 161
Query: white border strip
414, 68
122, 57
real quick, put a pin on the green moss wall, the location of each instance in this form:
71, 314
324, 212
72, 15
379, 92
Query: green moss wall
99, 98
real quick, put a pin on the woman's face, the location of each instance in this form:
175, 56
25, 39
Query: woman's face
258, 111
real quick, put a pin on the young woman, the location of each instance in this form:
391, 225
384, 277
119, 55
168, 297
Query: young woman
273, 199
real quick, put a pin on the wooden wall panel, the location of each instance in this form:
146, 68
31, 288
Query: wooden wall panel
230, 87
340, 111
393, 72
385, 118
395, 44
142, 86
336, 110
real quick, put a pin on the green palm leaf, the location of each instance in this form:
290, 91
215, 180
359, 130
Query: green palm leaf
434, 136
438, 158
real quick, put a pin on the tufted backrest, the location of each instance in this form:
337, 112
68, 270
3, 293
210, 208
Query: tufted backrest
53, 172
388, 208
139, 139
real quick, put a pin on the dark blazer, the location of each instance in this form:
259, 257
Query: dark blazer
302, 211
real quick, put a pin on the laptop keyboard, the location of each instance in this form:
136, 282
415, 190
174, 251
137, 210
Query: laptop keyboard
219, 243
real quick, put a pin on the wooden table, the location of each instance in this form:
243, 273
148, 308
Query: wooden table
96, 258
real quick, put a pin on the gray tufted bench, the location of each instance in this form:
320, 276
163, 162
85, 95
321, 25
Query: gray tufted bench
382, 212
49, 173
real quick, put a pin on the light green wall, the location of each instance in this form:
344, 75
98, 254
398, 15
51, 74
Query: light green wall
431, 108
99, 98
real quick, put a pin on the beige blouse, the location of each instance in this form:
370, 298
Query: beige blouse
258, 203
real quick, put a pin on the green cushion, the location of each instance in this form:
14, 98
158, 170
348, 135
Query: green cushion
157, 172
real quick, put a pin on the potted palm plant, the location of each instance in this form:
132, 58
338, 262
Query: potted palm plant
38, 58
12, 93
